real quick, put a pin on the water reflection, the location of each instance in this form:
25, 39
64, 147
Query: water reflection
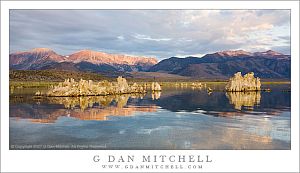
244, 99
84, 108
234, 138
156, 95
89, 102
171, 119
198, 102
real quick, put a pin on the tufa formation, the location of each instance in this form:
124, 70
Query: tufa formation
89, 88
239, 83
155, 86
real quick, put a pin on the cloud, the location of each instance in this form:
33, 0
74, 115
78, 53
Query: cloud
160, 33
145, 37
120, 37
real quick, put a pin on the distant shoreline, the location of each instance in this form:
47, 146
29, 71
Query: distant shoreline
37, 84
61, 75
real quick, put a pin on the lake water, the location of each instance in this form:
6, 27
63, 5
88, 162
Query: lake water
176, 118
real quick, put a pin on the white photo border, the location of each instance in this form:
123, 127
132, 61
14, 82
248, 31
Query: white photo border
82, 160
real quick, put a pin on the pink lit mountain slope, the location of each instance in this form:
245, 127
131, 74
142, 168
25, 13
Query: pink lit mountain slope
85, 60
33, 59
105, 58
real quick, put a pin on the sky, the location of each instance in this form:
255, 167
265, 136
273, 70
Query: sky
156, 33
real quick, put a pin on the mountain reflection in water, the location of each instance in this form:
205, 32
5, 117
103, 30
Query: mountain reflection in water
176, 118
83, 108
48, 109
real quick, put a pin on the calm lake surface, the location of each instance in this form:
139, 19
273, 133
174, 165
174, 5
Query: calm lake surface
176, 118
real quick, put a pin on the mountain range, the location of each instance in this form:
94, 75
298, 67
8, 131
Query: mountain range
219, 65
84, 60
269, 64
